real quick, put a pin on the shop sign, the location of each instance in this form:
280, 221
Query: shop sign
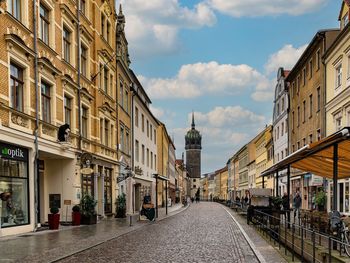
13, 152
86, 170
316, 180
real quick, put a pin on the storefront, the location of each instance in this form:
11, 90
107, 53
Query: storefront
343, 196
14, 186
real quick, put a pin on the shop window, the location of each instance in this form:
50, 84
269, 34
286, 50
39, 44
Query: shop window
13, 186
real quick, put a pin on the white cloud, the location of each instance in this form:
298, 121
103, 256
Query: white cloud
194, 80
286, 57
157, 112
155, 24
256, 8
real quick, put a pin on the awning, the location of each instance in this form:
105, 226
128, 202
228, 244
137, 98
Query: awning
318, 157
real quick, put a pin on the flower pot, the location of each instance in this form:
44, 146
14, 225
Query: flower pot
76, 217
88, 219
54, 221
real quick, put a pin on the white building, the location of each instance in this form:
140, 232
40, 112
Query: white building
144, 159
280, 125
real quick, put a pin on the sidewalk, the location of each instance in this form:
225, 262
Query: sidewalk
52, 245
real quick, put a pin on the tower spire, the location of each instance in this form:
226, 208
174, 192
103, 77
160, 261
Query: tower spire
193, 125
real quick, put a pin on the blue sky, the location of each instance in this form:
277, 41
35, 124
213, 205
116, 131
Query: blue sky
218, 58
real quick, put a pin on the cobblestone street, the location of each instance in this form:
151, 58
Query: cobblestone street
203, 233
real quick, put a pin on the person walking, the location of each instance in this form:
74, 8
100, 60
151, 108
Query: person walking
285, 205
297, 204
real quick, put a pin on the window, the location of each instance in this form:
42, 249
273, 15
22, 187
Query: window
84, 122
155, 137
155, 161
151, 129
44, 24
66, 44
45, 102
298, 144
143, 122
298, 84
318, 134
318, 55
278, 109
293, 121
83, 6
108, 32
345, 20
136, 117
111, 84
16, 84
304, 141
121, 92
122, 141
112, 136
126, 103
137, 151
278, 132
293, 89
101, 130
282, 129
338, 125
282, 109
147, 126
310, 106
14, 8
298, 117
152, 161
286, 127
304, 111
143, 154
84, 60
318, 98
105, 75
106, 132
304, 76
310, 138
127, 148
103, 18
68, 110
147, 156
310, 68
338, 73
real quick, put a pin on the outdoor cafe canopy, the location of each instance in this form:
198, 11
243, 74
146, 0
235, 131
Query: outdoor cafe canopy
328, 157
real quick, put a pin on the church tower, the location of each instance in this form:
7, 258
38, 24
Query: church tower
193, 147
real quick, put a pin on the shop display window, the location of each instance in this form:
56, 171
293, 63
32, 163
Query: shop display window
13, 193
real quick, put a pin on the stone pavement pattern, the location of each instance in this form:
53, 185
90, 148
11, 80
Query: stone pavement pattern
202, 233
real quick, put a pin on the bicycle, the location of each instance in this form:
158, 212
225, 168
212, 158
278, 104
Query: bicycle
341, 230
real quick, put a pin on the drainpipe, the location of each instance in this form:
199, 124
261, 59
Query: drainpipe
78, 79
36, 143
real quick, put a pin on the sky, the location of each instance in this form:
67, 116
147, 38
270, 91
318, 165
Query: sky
219, 59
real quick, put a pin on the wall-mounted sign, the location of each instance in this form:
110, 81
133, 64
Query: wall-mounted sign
67, 202
55, 200
86, 170
13, 152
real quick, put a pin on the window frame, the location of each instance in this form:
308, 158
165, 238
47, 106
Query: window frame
20, 80
45, 101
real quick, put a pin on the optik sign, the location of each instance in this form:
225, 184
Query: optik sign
12, 152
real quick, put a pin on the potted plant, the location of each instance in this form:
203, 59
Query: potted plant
88, 212
121, 206
320, 200
76, 215
54, 218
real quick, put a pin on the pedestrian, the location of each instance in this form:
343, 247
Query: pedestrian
297, 204
285, 204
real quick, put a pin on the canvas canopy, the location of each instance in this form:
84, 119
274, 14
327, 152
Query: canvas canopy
320, 157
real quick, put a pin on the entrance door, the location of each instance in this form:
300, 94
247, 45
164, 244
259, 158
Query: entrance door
108, 191
41, 192
137, 197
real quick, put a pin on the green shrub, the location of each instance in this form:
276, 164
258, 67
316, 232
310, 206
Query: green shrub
54, 210
88, 204
76, 208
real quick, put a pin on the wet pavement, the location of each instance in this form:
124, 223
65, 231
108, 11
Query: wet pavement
50, 245
203, 232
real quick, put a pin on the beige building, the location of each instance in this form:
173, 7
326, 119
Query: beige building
337, 63
74, 83
242, 156
307, 107
261, 153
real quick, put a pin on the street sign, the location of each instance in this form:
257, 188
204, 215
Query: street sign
67, 202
